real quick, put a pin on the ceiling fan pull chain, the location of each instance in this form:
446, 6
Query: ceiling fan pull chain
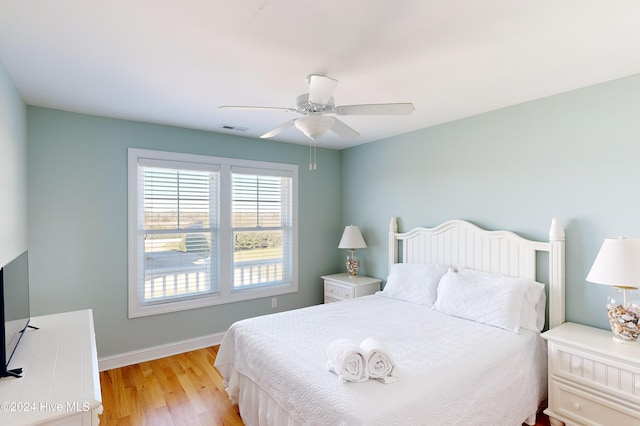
312, 155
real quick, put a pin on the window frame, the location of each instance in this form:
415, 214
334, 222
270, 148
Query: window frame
226, 293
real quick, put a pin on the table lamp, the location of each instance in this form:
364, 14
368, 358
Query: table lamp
352, 240
618, 265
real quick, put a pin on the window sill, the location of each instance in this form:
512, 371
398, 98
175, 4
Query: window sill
212, 300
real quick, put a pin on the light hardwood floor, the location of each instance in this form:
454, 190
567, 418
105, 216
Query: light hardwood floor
184, 389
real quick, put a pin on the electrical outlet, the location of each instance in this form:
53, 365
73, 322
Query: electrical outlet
274, 302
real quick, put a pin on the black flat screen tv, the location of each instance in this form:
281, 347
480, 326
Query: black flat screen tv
14, 309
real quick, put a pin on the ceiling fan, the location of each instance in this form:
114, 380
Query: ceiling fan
317, 104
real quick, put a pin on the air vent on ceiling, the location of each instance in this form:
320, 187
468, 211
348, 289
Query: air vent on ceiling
234, 128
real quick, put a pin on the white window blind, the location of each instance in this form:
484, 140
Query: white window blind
208, 230
262, 228
178, 208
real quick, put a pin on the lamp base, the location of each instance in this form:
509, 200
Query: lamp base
353, 265
624, 322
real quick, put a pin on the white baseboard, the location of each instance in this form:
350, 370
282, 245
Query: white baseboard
155, 352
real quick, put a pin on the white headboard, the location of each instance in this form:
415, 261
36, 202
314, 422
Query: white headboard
461, 243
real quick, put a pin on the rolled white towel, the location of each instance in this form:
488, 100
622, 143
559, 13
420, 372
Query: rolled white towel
347, 360
379, 364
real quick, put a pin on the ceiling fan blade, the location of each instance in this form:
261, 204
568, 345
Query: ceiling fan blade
344, 131
321, 88
375, 109
281, 128
240, 107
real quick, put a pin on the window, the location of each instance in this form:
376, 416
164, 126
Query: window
262, 228
208, 230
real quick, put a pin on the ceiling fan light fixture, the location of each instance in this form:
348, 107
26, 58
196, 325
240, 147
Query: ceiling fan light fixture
319, 101
314, 126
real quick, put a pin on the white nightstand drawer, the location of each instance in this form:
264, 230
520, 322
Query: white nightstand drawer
337, 292
595, 371
342, 287
593, 380
589, 409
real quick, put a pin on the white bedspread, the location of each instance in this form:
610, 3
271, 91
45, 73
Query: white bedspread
450, 371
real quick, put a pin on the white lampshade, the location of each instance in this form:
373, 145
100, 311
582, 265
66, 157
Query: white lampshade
352, 238
314, 126
617, 263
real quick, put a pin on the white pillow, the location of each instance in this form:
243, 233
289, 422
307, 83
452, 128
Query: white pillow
482, 297
414, 282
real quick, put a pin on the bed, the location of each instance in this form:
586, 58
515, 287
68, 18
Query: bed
456, 361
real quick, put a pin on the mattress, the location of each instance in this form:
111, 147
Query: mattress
450, 370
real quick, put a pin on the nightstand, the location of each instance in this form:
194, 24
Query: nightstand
342, 287
593, 380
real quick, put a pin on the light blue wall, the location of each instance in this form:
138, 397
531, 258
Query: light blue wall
13, 170
574, 156
78, 223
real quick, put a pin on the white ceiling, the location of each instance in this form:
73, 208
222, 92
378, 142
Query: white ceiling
174, 62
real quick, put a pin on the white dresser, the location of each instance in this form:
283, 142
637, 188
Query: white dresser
60, 384
592, 379
342, 286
